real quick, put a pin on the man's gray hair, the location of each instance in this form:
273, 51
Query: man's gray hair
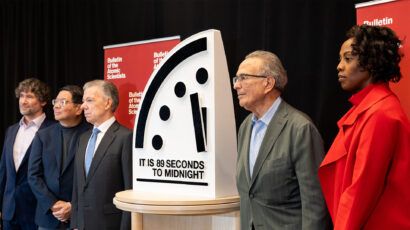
272, 67
109, 89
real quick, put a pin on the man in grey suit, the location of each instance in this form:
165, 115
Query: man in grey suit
103, 164
279, 152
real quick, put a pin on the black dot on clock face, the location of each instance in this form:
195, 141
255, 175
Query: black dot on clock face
180, 89
201, 76
157, 142
164, 113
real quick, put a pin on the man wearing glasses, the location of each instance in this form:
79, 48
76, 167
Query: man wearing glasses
51, 164
279, 152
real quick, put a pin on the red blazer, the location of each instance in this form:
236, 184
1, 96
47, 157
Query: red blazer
365, 176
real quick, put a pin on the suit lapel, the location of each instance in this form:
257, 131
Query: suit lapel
245, 150
27, 154
73, 145
102, 149
82, 146
272, 133
59, 152
378, 93
339, 146
13, 134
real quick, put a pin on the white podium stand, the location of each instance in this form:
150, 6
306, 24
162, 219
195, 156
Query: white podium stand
184, 144
152, 211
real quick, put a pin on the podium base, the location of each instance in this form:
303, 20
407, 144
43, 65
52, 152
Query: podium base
153, 211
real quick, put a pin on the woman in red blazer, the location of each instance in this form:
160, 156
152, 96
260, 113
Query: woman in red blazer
365, 176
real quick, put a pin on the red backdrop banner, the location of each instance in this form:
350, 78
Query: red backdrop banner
129, 67
394, 14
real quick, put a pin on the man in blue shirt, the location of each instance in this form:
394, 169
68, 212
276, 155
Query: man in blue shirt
279, 152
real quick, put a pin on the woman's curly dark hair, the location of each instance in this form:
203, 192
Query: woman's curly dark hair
378, 51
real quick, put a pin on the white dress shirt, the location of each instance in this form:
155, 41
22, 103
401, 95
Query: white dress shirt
103, 129
24, 137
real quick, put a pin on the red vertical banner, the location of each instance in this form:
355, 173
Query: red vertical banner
394, 14
129, 67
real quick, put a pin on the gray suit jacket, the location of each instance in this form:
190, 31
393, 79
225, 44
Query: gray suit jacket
284, 191
110, 172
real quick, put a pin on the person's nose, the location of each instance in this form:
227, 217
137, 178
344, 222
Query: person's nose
83, 106
236, 85
23, 100
339, 66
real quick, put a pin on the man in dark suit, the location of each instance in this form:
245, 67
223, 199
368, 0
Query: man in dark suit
103, 162
279, 152
16, 198
51, 163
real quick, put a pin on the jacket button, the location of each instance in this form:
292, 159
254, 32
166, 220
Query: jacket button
251, 195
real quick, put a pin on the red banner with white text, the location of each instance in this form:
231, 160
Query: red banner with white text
129, 67
394, 14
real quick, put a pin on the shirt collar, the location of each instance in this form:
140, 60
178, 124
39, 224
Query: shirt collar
270, 113
106, 124
35, 122
358, 97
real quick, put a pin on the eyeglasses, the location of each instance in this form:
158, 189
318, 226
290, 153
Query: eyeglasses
245, 76
60, 102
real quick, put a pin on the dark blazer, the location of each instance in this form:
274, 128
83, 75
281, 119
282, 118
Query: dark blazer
51, 181
284, 191
110, 172
15, 193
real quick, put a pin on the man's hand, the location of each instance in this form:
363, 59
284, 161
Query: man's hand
61, 210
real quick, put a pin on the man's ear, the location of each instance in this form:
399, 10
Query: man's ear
269, 84
271, 81
79, 110
108, 104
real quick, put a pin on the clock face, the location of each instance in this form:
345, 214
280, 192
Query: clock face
174, 136
173, 94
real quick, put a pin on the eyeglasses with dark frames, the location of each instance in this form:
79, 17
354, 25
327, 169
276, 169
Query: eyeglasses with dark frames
244, 76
